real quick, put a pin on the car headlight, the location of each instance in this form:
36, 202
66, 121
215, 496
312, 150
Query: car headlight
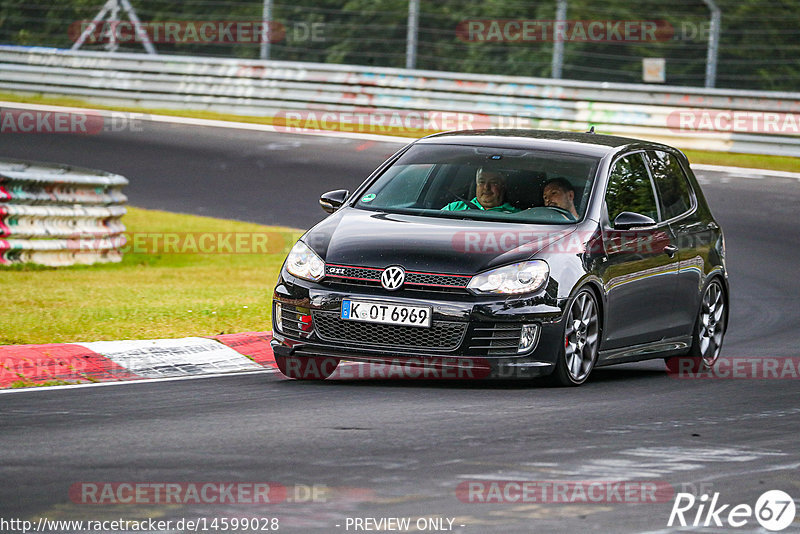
525, 277
304, 263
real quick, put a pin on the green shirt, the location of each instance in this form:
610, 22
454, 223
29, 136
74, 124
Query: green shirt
460, 205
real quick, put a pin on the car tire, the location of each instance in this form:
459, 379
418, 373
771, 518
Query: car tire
306, 368
708, 334
579, 350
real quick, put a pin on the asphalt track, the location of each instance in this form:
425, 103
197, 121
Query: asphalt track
401, 448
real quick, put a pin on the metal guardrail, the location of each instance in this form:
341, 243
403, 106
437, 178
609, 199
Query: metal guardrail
58, 215
272, 88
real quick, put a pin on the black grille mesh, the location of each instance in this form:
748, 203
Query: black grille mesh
345, 274
442, 335
338, 271
436, 279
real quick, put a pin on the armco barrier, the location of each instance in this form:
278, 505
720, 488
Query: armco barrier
58, 215
271, 88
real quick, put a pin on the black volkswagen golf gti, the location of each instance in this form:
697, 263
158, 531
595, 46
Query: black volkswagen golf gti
517, 253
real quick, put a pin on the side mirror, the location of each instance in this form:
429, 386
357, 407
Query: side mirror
628, 220
332, 200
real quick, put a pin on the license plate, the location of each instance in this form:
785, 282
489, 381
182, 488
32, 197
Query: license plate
385, 313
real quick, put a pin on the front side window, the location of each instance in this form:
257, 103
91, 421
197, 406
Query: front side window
629, 189
674, 193
475, 182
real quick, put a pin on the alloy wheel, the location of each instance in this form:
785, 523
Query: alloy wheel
581, 337
711, 326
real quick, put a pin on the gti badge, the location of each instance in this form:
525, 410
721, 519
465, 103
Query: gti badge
393, 277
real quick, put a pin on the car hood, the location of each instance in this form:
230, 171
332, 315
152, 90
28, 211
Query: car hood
427, 244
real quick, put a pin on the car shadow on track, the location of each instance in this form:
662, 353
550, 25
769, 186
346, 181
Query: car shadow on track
638, 372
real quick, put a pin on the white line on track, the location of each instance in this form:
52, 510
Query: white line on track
127, 382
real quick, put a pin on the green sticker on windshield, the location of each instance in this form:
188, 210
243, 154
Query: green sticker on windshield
368, 198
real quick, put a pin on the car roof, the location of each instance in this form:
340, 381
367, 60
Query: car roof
590, 144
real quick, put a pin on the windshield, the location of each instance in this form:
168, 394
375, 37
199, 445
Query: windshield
484, 183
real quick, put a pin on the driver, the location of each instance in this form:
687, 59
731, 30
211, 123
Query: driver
559, 193
490, 194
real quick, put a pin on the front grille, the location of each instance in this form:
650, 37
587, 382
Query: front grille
346, 274
496, 339
442, 280
441, 336
353, 273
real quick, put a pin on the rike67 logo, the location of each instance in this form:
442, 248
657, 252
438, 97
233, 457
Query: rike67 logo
774, 510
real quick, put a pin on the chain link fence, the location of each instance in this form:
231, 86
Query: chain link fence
603, 41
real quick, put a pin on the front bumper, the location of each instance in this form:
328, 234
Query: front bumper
478, 337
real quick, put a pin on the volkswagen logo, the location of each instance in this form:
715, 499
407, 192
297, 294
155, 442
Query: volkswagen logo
393, 277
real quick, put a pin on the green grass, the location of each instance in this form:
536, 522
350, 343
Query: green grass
754, 161
28, 384
149, 294
776, 163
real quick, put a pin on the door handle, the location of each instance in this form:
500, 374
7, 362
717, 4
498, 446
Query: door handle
670, 250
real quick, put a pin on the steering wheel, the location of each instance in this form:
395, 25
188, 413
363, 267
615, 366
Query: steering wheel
547, 213
562, 211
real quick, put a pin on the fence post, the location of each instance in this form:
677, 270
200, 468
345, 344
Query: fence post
713, 43
265, 33
558, 45
411, 37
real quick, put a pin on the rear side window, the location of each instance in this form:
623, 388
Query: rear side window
629, 189
675, 195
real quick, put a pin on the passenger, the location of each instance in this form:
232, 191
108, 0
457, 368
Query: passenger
490, 194
559, 193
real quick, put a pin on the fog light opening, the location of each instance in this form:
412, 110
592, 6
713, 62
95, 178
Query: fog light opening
528, 338
277, 313
306, 324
